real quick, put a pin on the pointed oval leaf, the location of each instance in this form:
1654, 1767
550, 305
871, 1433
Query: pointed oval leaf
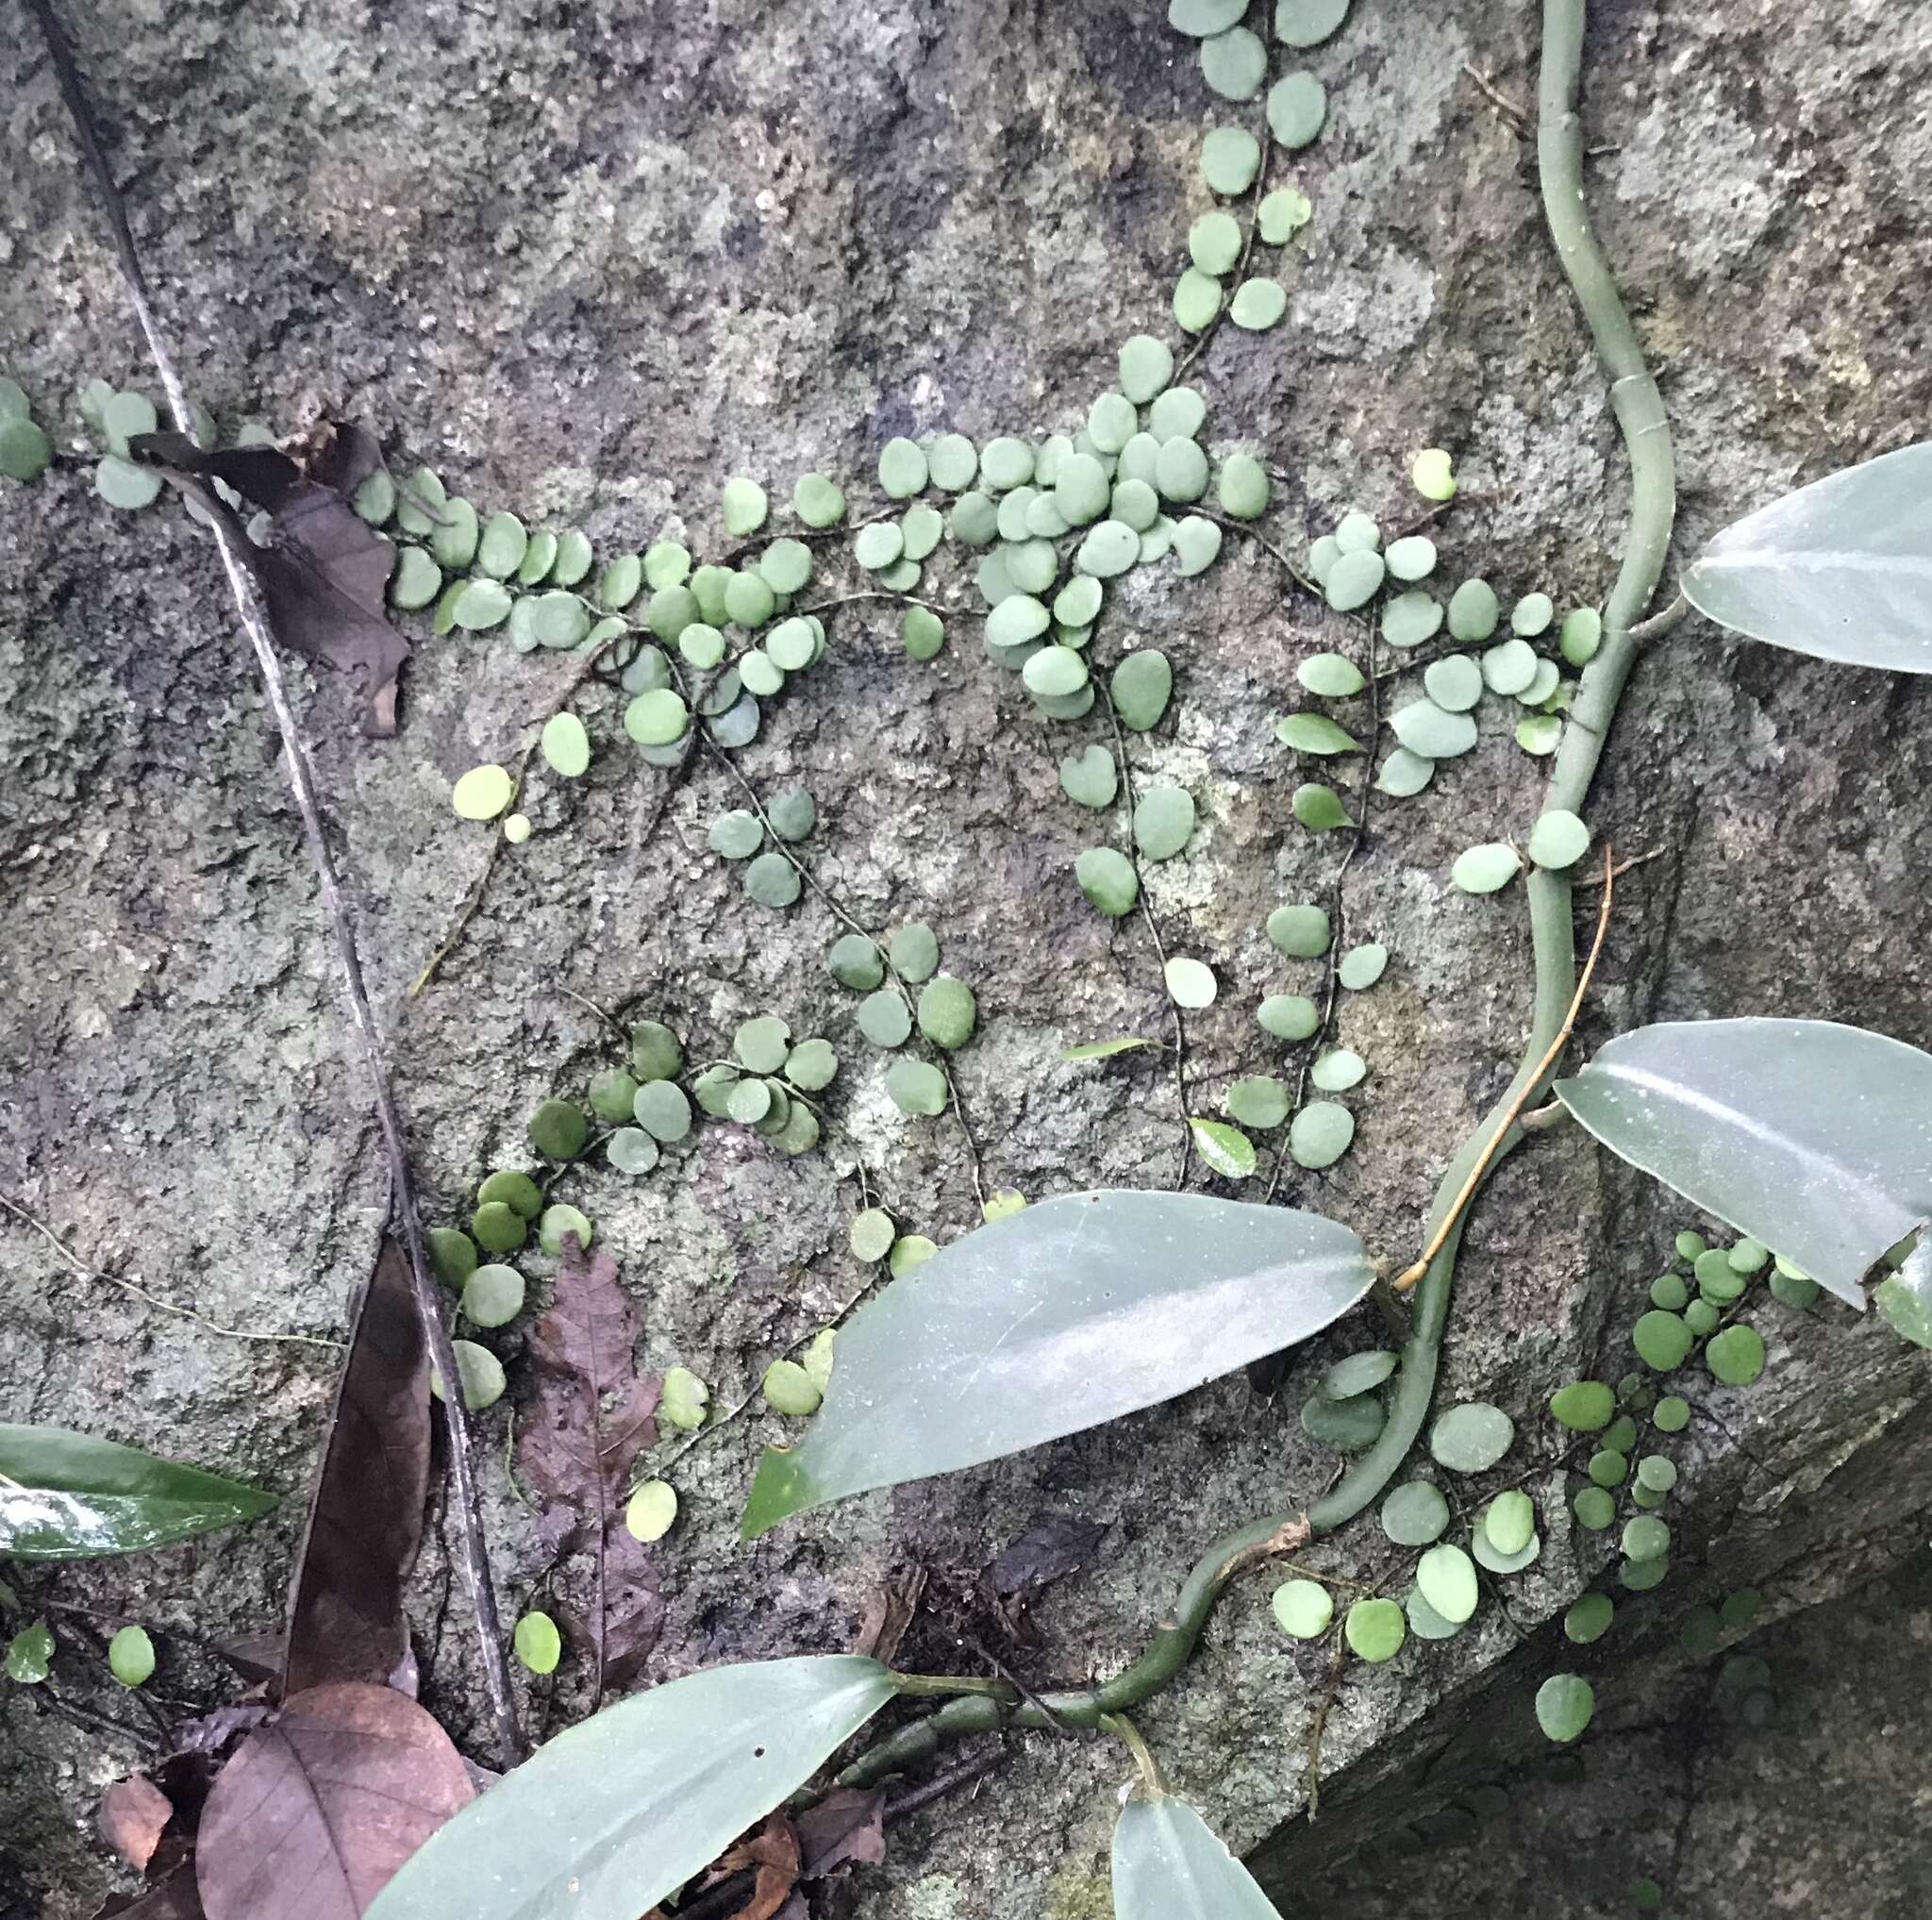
1813, 1138
607, 1820
1106, 1049
67, 1496
1065, 1315
1840, 569
1226, 1149
1169, 1864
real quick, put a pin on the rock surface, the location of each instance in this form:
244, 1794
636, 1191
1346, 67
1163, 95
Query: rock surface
589, 263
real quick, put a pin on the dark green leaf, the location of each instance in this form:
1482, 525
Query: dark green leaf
1061, 1317
616, 1814
1814, 1139
66, 1495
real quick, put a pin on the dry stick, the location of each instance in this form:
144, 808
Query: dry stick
811, 880
154, 1300
1500, 101
1319, 1725
1446, 1225
302, 782
1180, 1031
1659, 624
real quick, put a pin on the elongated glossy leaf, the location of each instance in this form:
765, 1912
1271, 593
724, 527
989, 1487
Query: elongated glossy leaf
1065, 1315
67, 1496
1841, 569
615, 1815
1168, 1864
1813, 1138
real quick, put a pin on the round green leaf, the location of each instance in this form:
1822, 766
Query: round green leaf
1361, 966
1584, 1406
1472, 1438
1485, 868
1303, 1609
1558, 840
1415, 1513
566, 745
1375, 1629
1564, 1704
1320, 1134
916, 1087
1190, 982
1445, 1577
884, 1020
1261, 1102
1289, 1016
1163, 822
947, 1012
131, 1656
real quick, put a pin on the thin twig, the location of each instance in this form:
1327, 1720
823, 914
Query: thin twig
1622, 867
1501, 101
1543, 1118
302, 783
1673, 617
1318, 1726
1446, 1225
854, 599
591, 1007
154, 1300
969, 1770
1267, 546
1180, 1031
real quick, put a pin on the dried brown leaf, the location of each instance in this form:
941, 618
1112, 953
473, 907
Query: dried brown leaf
890, 1608
324, 572
588, 1418
327, 1800
134, 1814
1045, 1553
365, 1519
771, 1852
845, 1828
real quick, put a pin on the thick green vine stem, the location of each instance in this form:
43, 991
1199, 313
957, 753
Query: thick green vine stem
1639, 413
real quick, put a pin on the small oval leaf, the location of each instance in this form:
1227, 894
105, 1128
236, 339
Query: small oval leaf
613, 1816
1168, 1864
992, 1346
1840, 569
67, 1496
1226, 1149
1813, 1138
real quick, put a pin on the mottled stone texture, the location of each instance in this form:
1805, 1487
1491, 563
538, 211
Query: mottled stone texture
588, 260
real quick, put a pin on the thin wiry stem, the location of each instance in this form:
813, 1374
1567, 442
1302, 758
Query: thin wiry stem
302, 782
154, 1300
974, 1165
